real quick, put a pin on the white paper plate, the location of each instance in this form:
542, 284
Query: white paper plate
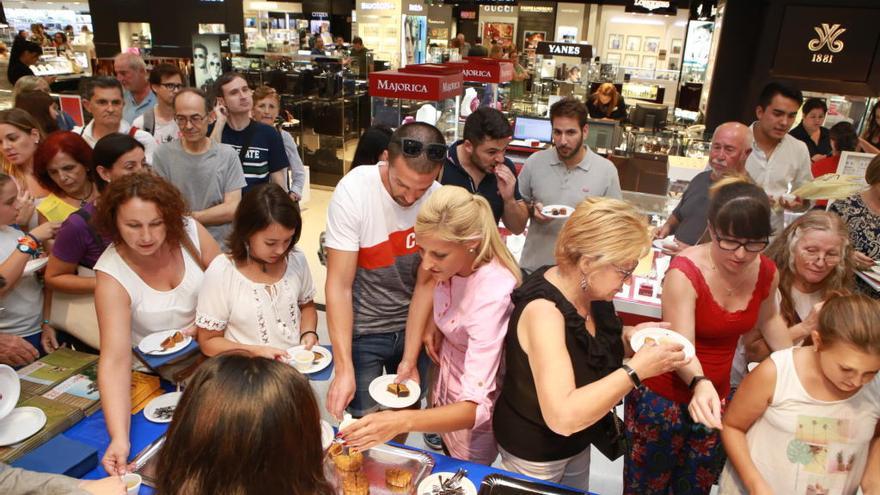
638, 339
21, 424
426, 487
316, 367
151, 344
667, 242
166, 400
10, 388
34, 265
547, 211
379, 392
327, 434
876, 269
751, 366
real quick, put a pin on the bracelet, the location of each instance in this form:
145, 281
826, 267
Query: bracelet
695, 380
633, 376
306, 333
32, 237
45, 322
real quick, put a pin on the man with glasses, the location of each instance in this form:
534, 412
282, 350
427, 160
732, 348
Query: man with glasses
103, 99
731, 145
372, 263
564, 175
259, 146
477, 163
166, 80
131, 72
208, 174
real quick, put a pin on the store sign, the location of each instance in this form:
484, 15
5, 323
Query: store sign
498, 9
662, 7
467, 14
377, 6
827, 43
564, 49
320, 15
416, 7
410, 86
536, 9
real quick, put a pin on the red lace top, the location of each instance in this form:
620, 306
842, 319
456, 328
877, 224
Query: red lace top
717, 331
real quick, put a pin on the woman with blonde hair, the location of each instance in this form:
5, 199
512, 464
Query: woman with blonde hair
813, 259
565, 347
474, 275
20, 136
606, 103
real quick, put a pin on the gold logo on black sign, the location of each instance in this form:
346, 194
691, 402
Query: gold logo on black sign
828, 35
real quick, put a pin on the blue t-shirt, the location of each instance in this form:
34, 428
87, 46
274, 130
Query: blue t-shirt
264, 155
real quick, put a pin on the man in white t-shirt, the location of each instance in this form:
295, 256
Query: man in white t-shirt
166, 81
373, 261
779, 162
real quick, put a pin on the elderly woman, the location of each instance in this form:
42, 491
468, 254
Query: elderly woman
267, 106
565, 347
861, 212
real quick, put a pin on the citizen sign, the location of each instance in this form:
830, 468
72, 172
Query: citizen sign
400, 86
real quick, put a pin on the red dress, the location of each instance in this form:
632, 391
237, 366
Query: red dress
717, 331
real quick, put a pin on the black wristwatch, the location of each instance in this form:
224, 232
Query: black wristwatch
632, 375
695, 380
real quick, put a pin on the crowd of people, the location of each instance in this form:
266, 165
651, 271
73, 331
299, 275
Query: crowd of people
191, 223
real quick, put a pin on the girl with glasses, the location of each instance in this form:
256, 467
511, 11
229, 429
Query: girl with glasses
712, 294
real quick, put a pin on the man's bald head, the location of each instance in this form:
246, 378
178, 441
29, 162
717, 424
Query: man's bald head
731, 145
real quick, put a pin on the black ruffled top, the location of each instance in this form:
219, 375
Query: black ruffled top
518, 423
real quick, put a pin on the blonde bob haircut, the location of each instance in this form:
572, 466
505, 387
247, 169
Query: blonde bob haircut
453, 214
606, 231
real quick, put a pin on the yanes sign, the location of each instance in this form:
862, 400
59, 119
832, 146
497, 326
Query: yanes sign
564, 49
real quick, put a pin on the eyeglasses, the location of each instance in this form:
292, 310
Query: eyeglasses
626, 274
750, 246
411, 148
196, 119
171, 86
813, 256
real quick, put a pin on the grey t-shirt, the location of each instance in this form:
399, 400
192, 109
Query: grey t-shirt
545, 179
202, 179
692, 210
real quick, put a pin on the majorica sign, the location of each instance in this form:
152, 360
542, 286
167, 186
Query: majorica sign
476, 73
403, 86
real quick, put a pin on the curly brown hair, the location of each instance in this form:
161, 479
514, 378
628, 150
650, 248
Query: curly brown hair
147, 187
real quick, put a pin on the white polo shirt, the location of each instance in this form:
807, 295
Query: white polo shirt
142, 136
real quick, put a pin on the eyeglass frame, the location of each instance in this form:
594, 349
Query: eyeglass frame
814, 257
182, 120
405, 143
174, 86
718, 240
627, 274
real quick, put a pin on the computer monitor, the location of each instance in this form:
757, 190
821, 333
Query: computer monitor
530, 128
649, 115
603, 134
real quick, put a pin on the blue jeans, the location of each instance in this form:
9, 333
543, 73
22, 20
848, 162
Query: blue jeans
374, 355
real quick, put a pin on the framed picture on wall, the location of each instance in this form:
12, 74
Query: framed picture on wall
612, 58
500, 32
675, 47
531, 39
631, 60
651, 45
673, 63
615, 41
633, 43
649, 61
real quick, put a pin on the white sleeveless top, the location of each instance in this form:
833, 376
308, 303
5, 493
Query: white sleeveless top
805, 446
153, 310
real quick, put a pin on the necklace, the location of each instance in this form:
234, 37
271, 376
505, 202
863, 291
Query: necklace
730, 290
84, 200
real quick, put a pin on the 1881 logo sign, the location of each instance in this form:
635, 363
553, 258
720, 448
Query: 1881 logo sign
828, 35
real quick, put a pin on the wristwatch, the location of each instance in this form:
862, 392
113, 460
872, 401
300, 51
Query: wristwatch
27, 249
695, 380
633, 376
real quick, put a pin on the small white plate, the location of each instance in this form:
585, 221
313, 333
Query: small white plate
876, 269
316, 367
152, 344
667, 242
638, 339
327, 434
10, 389
751, 366
151, 412
34, 265
21, 424
547, 211
379, 392
426, 487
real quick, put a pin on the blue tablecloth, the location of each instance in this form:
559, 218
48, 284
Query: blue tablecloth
93, 431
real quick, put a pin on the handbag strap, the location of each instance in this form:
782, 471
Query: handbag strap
190, 248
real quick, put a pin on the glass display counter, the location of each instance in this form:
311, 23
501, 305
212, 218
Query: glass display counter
486, 82
425, 93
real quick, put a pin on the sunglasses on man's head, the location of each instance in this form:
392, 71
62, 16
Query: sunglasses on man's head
412, 148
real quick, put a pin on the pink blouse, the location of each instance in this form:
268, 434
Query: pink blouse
472, 313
